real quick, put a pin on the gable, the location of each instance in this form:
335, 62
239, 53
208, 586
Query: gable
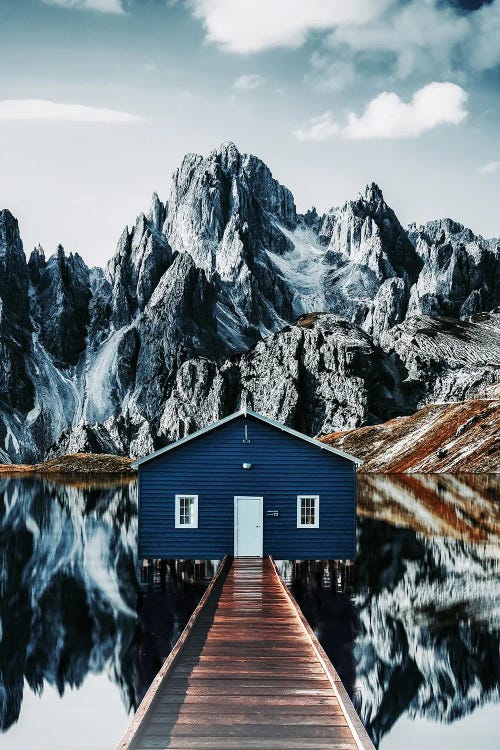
215, 436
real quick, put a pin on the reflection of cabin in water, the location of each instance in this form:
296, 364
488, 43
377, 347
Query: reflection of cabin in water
250, 487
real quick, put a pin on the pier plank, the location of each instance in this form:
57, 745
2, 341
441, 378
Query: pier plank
248, 673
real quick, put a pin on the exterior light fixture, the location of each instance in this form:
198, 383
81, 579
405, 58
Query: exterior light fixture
247, 466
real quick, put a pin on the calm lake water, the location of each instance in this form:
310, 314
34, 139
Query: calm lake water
413, 627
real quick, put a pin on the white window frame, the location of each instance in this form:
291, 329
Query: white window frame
314, 525
178, 524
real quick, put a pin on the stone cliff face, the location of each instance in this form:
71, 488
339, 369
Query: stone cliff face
16, 388
461, 272
60, 303
195, 314
373, 263
321, 372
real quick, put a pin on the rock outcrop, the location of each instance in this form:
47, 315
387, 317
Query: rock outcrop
60, 304
16, 387
461, 271
440, 438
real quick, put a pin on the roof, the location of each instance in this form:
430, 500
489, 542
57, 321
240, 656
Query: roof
246, 413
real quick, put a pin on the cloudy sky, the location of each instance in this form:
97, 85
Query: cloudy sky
100, 100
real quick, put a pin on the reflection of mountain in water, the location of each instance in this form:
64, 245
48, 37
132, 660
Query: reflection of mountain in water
68, 587
425, 626
463, 507
428, 629
70, 600
415, 623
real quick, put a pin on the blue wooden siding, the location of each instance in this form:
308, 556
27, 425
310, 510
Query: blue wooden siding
283, 467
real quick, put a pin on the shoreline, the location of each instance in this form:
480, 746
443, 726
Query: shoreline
79, 464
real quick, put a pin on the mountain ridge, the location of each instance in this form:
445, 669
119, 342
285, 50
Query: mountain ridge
204, 289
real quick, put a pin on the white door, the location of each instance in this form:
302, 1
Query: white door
248, 531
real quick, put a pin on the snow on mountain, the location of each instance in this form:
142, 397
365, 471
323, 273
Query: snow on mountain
194, 313
303, 268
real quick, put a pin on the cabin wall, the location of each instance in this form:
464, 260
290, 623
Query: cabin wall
283, 467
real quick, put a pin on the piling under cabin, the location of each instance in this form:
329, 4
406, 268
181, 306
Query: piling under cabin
247, 486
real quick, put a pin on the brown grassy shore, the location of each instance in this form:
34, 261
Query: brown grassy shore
448, 438
75, 463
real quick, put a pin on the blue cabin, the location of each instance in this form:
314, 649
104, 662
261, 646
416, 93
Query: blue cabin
250, 487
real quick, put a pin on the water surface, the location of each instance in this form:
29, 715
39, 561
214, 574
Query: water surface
413, 627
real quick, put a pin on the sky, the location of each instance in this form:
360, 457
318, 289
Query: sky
101, 99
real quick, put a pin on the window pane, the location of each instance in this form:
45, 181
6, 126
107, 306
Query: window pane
186, 511
308, 511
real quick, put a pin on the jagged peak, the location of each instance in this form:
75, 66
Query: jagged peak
227, 148
140, 223
37, 259
10, 239
9, 226
228, 156
373, 193
155, 203
366, 200
157, 212
7, 217
38, 252
59, 257
438, 231
450, 225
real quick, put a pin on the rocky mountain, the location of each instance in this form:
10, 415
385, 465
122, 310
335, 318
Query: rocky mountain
441, 438
224, 294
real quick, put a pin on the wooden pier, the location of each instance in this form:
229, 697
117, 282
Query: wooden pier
247, 673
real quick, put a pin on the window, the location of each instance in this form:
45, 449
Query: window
186, 511
307, 511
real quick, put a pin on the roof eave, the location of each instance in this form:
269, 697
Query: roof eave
244, 412
306, 438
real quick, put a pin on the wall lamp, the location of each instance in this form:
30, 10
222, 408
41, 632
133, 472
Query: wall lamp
247, 466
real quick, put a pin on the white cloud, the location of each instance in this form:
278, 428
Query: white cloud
490, 168
103, 6
381, 38
318, 128
253, 25
43, 109
249, 82
388, 116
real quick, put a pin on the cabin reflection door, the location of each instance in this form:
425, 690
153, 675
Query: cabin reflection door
248, 526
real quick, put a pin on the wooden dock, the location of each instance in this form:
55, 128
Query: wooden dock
247, 672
